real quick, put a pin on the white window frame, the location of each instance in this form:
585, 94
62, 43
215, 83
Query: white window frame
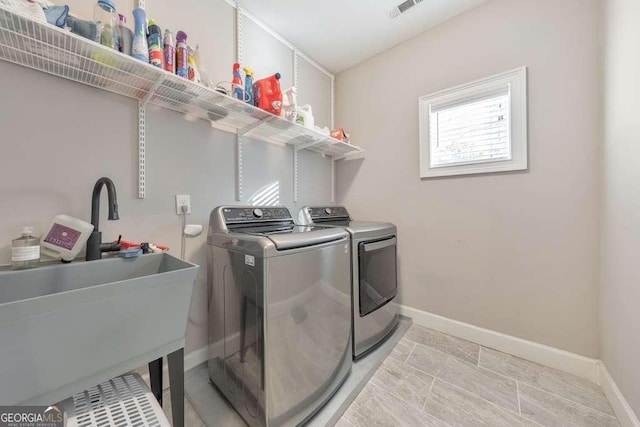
515, 81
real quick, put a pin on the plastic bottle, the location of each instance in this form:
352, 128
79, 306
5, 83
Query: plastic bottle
194, 73
154, 40
248, 84
106, 20
290, 104
25, 250
65, 237
125, 35
267, 94
140, 48
304, 116
169, 52
237, 82
182, 55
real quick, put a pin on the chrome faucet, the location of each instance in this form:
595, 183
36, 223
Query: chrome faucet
95, 247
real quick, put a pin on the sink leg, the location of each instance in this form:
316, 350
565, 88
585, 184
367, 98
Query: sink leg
155, 378
176, 386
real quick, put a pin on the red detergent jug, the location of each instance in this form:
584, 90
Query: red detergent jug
267, 94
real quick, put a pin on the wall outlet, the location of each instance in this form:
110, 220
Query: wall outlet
183, 200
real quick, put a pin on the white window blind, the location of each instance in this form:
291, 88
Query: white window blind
472, 132
478, 127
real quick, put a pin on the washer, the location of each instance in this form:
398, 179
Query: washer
374, 273
279, 313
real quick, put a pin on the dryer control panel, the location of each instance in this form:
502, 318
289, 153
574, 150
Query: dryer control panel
328, 212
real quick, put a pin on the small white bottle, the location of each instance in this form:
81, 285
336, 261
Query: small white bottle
25, 250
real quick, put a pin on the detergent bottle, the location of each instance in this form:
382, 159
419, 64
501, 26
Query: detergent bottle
267, 94
248, 84
140, 48
169, 52
237, 82
154, 41
304, 116
182, 55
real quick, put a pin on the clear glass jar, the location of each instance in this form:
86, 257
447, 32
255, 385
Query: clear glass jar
106, 20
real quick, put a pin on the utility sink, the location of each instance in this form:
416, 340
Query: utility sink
67, 327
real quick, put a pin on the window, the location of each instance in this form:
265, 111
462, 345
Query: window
480, 127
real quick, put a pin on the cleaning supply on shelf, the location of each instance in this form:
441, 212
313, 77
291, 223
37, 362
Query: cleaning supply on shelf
139, 47
267, 94
340, 135
304, 116
125, 35
31, 9
237, 82
248, 84
169, 52
57, 15
25, 250
106, 19
182, 55
81, 27
155, 42
290, 104
205, 79
192, 63
65, 237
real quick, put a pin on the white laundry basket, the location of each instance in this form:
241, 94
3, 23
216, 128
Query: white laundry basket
124, 401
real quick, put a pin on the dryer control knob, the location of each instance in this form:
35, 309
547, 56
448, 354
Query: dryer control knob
327, 211
257, 213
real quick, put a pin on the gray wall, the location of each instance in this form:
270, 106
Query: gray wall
59, 137
620, 286
516, 252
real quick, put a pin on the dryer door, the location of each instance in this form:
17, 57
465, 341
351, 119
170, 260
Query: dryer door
378, 273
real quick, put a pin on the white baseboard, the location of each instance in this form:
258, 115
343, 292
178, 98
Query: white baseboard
620, 406
191, 360
565, 361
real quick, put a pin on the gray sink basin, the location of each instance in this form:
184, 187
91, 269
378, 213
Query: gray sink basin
65, 328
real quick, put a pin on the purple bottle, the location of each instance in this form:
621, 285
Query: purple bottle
169, 52
182, 55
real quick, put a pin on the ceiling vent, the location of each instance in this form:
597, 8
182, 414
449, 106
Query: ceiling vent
402, 8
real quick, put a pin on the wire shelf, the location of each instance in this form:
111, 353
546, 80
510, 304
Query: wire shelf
49, 49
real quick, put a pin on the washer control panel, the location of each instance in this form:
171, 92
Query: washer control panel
328, 212
236, 215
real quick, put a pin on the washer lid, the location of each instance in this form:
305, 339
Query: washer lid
304, 236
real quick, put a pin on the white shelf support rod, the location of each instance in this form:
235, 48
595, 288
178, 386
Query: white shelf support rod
142, 115
333, 101
142, 137
333, 180
238, 167
295, 70
239, 12
295, 175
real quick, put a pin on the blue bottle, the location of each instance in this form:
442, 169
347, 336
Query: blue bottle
248, 85
140, 47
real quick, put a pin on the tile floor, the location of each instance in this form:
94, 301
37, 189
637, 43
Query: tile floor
432, 379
